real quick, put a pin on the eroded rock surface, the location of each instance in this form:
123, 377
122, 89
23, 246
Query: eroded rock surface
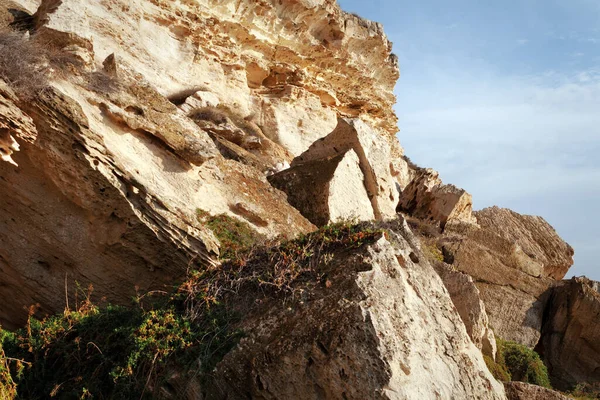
526, 391
470, 307
327, 190
379, 159
571, 336
351, 339
427, 198
278, 60
512, 283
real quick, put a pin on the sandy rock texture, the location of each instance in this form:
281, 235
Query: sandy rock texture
467, 300
327, 190
571, 335
512, 283
526, 391
352, 339
277, 59
426, 197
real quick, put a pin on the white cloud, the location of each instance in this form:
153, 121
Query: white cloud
530, 143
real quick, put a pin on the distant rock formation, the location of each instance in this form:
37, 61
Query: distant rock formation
571, 334
428, 199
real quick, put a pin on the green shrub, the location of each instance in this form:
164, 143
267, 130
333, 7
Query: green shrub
114, 352
524, 364
233, 234
586, 391
498, 369
516, 362
8, 388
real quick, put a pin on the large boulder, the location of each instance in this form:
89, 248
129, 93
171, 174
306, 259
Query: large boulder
540, 250
570, 341
514, 272
327, 190
377, 155
428, 199
382, 326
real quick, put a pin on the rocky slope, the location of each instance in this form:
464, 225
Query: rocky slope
514, 259
151, 121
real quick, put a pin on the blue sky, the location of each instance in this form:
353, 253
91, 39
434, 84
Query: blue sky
503, 98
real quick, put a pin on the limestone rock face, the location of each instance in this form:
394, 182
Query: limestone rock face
571, 336
512, 283
327, 190
427, 198
536, 242
526, 391
352, 339
470, 307
278, 60
376, 155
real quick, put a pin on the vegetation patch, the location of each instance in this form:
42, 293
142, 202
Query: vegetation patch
516, 362
113, 352
8, 388
273, 268
234, 235
26, 63
586, 391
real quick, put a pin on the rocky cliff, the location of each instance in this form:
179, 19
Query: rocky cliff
149, 143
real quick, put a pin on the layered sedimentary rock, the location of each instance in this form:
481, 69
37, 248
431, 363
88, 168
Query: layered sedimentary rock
277, 60
526, 391
428, 199
513, 284
13, 122
327, 190
537, 246
352, 339
570, 341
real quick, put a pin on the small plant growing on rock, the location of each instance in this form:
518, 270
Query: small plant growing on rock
8, 387
234, 235
516, 362
26, 63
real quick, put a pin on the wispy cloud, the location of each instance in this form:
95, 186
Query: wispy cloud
530, 143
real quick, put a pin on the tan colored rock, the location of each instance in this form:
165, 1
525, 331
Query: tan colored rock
13, 123
427, 198
514, 292
544, 252
375, 152
352, 339
98, 202
570, 343
295, 118
200, 99
282, 65
466, 298
526, 391
327, 190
